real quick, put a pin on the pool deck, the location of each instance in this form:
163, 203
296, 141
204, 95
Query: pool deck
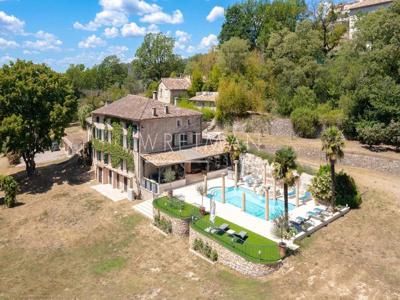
236, 215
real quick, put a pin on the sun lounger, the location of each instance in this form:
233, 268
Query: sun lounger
297, 226
242, 235
315, 215
224, 227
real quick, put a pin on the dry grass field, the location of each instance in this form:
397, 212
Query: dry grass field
66, 241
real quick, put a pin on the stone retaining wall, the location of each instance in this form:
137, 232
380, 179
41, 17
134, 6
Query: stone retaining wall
276, 126
180, 228
354, 160
233, 260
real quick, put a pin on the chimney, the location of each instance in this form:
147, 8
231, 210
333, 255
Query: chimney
166, 109
107, 102
154, 112
154, 95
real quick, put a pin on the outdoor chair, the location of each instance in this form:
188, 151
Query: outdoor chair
224, 227
240, 237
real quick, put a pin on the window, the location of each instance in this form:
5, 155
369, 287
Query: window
183, 139
189, 122
178, 123
97, 119
106, 135
122, 165
98, 155
105, 158
194, 138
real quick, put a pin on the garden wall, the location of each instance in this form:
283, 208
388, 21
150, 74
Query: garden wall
276, 126
233, 260
180, 228
354, 160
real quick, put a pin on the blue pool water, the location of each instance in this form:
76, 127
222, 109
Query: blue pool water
255, 204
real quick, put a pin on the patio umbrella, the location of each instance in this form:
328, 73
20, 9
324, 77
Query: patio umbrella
212, 211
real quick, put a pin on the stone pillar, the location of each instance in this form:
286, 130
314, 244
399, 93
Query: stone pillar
114, 180
205, 183
274, 189
298, 192
223, 188
236, 172
243, 201
267, 204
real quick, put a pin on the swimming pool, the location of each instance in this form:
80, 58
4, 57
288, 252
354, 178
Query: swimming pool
255, 204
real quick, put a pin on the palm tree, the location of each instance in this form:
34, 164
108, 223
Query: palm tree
284, 167
333, 144
231, 141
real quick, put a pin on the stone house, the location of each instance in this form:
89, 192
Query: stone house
205, 99
354, 9
157, 137
170, 89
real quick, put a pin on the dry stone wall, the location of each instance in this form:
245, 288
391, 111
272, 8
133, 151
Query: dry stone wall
233, 260
180, 228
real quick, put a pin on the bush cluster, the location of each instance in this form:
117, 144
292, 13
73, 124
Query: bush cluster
305, 122
10, 187
205, 249
163, 223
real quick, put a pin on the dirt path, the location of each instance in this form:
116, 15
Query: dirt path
67, 241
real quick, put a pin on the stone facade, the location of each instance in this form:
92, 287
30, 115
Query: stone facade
180, 228
233, 260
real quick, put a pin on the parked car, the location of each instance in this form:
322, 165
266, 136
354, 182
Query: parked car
55, 146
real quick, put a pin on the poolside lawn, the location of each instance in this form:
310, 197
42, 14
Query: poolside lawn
255, 248
175, 208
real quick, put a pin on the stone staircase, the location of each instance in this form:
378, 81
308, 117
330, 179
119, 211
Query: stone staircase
145, 208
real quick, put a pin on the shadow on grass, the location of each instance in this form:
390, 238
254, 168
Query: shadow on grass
69, 171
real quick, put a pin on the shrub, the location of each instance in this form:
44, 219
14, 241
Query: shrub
205, 249
162, 223
305, 122
346, 191
320, 187
371, 134
13, 158
392, 134
346, 188
10, 187
208, 114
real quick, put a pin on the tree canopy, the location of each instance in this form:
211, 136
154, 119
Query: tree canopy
36, 104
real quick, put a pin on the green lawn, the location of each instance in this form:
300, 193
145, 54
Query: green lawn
255, 248
175, 208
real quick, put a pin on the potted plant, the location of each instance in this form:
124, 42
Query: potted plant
201, 190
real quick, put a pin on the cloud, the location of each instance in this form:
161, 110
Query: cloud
132, 30
4, 44
11, 24
118, 50
182, 38
153, 28
215, 13
115, 13
160, 17
130, 6
92, 42
111, 32
209, 41
45, 41
6, 59
104, 18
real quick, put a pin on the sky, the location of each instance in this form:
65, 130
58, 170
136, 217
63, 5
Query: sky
64, 32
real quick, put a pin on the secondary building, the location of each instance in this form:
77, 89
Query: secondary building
171, 88
356, 9
205, 99
138, 141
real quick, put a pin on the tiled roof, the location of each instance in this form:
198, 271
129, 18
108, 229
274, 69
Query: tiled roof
205, 96
179, 156
138, 108
176, 83
365, 3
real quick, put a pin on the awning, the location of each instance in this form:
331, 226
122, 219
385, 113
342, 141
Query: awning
180, 156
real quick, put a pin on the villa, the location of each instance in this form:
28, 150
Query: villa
171, 88
136, 140
353, 10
